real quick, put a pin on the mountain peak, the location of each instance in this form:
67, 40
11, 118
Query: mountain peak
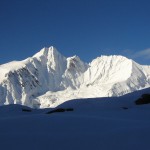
111, 57
52, 49
73, 58
46, 52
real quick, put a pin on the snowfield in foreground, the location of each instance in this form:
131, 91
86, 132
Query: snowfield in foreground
95, 124
48, 79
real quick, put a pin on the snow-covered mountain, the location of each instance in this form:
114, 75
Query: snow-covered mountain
48, 78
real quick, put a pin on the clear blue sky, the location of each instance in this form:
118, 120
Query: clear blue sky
87, 28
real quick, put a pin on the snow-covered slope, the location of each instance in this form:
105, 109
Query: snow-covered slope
48, 78
113, 123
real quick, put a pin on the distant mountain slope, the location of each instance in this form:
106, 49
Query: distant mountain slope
48, 78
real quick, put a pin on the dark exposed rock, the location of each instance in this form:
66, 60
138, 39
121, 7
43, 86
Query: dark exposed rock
69, 109
124, 107
145, 99
26, 110
58, 110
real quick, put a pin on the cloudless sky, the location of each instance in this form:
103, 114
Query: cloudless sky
87, 28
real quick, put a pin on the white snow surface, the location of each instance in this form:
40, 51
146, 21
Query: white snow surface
48, 79
94, 124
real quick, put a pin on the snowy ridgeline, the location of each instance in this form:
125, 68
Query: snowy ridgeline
114, 123
48, 79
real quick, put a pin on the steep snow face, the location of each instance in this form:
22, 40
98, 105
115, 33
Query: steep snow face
139, 79
48, 78
108, 70
11, 66
74, 74
53, 66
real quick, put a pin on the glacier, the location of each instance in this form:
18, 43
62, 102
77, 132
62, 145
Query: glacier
48, 78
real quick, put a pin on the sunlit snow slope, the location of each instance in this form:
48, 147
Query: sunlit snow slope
48, 78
